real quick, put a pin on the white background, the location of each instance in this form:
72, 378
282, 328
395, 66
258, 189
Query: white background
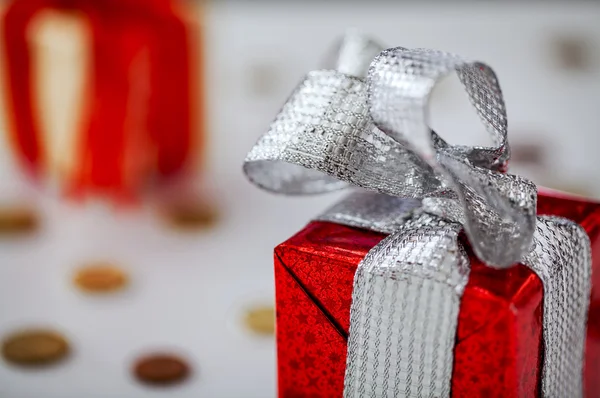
188, 291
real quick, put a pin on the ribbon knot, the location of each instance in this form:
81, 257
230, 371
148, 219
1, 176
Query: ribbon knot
371, 130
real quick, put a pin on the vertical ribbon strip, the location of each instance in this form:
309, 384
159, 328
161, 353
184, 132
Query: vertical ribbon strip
408, 288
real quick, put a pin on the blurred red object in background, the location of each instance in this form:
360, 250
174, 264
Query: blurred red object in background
136, 121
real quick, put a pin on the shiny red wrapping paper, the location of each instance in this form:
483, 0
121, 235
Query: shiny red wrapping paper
114, 155
498, 344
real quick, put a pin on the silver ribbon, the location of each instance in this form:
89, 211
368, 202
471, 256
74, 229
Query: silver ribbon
368, 128
406, 298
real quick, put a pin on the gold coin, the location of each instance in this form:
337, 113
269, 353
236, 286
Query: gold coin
17, 220
34, 347
260, 320
190, 216
161, 369
100, 278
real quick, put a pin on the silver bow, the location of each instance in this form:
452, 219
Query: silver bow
340, 128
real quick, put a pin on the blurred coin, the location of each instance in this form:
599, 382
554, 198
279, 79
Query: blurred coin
17, 219
260, 320
161, 369
100, 278
573, 52
190, 216
529, 153
34, 347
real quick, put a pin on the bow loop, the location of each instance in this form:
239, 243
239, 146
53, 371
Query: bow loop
338, 129
352, 54
400, 82
498, 209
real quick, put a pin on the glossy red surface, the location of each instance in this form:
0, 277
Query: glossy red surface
115, 155
498, 345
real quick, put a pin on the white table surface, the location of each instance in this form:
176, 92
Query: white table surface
187, 291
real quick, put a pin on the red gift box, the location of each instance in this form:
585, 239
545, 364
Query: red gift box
498, 347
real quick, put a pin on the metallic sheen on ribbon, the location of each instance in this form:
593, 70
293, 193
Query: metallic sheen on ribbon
369, 128
419, 270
